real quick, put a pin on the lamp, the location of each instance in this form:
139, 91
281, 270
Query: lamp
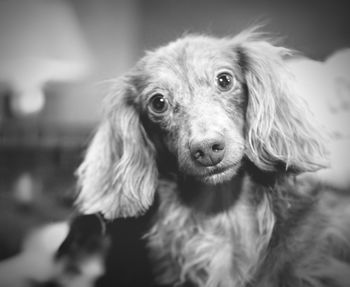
40, 41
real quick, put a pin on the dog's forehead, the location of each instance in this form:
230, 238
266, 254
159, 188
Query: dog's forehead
191, 56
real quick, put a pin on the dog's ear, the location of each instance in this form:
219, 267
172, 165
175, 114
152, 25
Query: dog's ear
118, 176
280, 132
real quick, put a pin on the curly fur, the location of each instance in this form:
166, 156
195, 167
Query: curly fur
244, 221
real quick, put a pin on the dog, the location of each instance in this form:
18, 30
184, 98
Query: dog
211, 132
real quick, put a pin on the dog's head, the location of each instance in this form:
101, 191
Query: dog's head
196, 107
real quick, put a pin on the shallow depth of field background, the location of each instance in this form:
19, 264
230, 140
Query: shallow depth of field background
56, 55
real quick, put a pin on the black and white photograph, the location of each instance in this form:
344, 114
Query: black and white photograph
184, 143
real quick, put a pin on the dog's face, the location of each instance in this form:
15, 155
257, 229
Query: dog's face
192, 101
199, 105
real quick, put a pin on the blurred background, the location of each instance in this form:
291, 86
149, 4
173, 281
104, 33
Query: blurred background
55, 55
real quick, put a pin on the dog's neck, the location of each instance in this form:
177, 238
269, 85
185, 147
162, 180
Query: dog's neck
210, 198
238, 214
213, 199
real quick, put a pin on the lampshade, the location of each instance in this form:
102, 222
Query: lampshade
40, 41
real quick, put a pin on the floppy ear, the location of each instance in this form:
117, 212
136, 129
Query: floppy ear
280, 129
118, 176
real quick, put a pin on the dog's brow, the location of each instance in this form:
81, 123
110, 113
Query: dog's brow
191, 73
184, 69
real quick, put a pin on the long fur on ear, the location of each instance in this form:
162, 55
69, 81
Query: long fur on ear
281, 130
118, 176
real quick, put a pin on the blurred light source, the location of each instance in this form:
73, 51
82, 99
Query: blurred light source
40, 41
24, 188
28, 100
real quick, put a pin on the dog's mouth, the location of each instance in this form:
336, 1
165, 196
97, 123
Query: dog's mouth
219, 174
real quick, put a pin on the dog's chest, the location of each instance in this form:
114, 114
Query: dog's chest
209, 250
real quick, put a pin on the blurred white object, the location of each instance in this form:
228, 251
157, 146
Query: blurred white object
24, 189
28, 100
36, 260
40, 41
36, 264
338, 66
326, 88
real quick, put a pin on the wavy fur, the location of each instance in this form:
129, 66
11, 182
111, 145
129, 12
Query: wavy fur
118, 176
241, 218
280, 130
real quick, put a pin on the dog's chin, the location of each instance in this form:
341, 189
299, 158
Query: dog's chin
218, 175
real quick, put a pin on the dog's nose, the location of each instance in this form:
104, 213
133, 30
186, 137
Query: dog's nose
208, 152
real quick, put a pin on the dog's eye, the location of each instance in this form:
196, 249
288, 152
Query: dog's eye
158, 104
225, 81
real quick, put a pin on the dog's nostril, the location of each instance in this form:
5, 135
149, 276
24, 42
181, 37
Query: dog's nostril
198, 154
217, 147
